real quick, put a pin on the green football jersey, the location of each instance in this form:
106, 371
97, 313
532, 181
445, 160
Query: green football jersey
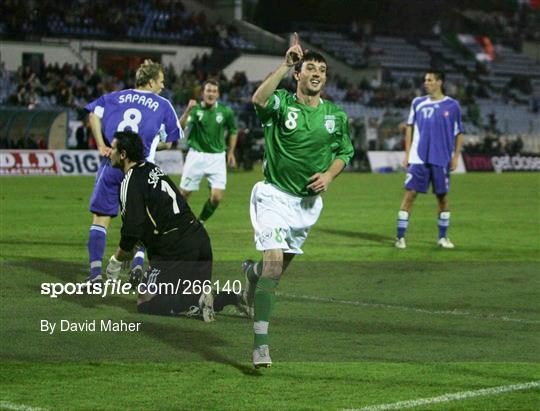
206, 127
301, 140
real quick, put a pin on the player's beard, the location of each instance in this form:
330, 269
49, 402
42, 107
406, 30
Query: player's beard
117, 163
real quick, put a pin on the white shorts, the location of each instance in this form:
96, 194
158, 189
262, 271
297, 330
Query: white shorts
281, 220
198, 165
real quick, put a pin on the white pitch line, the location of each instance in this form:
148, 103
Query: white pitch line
6, 405
406, 308
458, 396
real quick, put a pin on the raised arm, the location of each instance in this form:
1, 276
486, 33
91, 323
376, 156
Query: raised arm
183, 120
268, 86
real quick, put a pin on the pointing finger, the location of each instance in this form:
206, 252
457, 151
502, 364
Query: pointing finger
296, 39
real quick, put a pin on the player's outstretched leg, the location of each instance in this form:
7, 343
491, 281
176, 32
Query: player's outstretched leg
265, 298
252, 271
207, 210
216, 195
96, 248
264, 301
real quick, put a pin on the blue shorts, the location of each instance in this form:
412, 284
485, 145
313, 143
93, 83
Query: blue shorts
106, 196
420, 175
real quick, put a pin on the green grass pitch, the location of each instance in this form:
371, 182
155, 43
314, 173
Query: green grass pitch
357, 322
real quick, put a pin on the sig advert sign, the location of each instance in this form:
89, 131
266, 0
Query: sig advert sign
71, 162
79, 163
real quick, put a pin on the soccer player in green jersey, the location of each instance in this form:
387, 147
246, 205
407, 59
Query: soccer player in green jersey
206, 124
307, 146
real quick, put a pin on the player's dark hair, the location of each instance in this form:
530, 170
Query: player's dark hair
131, 143
211, 82
147, 71
309, 56
439, 75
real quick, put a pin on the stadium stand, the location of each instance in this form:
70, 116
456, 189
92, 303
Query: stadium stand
498, 97
345, 49
156, 20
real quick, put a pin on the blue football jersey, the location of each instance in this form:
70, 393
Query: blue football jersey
435, 127
151, 116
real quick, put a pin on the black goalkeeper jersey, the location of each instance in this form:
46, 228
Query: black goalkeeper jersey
153, 211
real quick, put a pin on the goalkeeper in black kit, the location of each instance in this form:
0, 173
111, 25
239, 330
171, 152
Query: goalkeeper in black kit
154, 214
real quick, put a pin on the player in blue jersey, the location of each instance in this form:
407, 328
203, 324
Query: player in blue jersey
142, 111
432, 147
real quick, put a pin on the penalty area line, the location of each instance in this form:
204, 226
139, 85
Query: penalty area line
6, 405
455, 312
458, 396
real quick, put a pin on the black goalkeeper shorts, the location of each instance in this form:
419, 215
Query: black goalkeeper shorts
176, 280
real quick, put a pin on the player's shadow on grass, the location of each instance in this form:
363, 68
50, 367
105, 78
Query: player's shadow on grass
66, 272
388, 327
33, 241
378, 238
194, 341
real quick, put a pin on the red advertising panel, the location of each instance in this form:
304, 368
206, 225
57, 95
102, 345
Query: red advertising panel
27, 162
71, 162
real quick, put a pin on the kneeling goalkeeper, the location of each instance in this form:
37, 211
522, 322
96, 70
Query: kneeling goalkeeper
155, 214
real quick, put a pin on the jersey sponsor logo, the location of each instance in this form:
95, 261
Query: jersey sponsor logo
219, 118
154, 175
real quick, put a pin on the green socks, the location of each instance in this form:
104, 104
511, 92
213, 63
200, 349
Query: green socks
265, 298
254, 271
207, 210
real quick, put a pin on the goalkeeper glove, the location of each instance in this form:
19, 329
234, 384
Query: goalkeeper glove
113, 268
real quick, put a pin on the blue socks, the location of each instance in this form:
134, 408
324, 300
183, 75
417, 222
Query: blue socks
138, 259
96, 248
443, 223
402, 223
